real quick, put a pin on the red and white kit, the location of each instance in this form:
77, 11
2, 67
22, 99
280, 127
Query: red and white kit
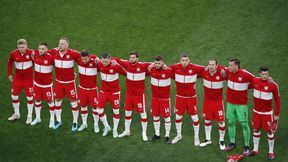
135, 85
238, 85
65, 77
264, 92
213, 108
23, 77
110, 90
43, 86
185, 78
160, 87
88, 92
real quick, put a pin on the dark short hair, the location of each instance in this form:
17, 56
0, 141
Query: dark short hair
84, 53
158, 58
106, 55
134, 53
184, 55
263, 68
212, 59
236, 61
43, 44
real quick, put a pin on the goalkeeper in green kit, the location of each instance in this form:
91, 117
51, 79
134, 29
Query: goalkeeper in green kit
237, 100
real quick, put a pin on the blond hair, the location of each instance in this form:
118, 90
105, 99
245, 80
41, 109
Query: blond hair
21, 41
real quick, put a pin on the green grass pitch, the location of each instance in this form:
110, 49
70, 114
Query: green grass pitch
255, 31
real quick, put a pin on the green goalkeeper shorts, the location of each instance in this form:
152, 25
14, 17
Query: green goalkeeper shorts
237, 112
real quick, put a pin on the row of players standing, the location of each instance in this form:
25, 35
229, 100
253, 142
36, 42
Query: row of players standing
184, 73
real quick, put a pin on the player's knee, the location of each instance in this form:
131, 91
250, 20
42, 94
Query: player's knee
84, 108
99, 111
116, 111
116, 116
51, 104
167, 120
143, 115
208, 121
221, 124
74, 104
58, 103
30, 98
244, 124
270, 135
38, 103
156, 118
194, 118
14, 98
128, 113
231, 122
178, 117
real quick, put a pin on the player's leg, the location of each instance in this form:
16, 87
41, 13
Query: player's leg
141, 108
271, 155
71, 91
15, 91
115, 102
196, 124
38, 103
156, 118
144, 123
231, 117
179, 110
52, 113
96, 119
242, 115
59, 95
103, 98
103, 119
220, 117
93, 100
28, 88
193, 111
128, 105
83, 102
38, 107
221, 129
49, 97
165, 107
266, 122
207, 127
167, 129
128, 119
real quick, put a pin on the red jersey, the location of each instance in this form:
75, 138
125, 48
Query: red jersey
87, 73
135, 79
160, 82
264, 93
237, 86
185, 78
23, 64
110, 77
43, 69
64, 65
213, 85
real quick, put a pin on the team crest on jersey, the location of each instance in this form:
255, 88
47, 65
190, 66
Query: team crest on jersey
27, 56
217, 77
90, 64
138, 69
190, 71
45, 61
266, 88
240, 78
163, 75
111, 70
67, 56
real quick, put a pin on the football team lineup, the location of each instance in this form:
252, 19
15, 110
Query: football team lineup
34, 73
